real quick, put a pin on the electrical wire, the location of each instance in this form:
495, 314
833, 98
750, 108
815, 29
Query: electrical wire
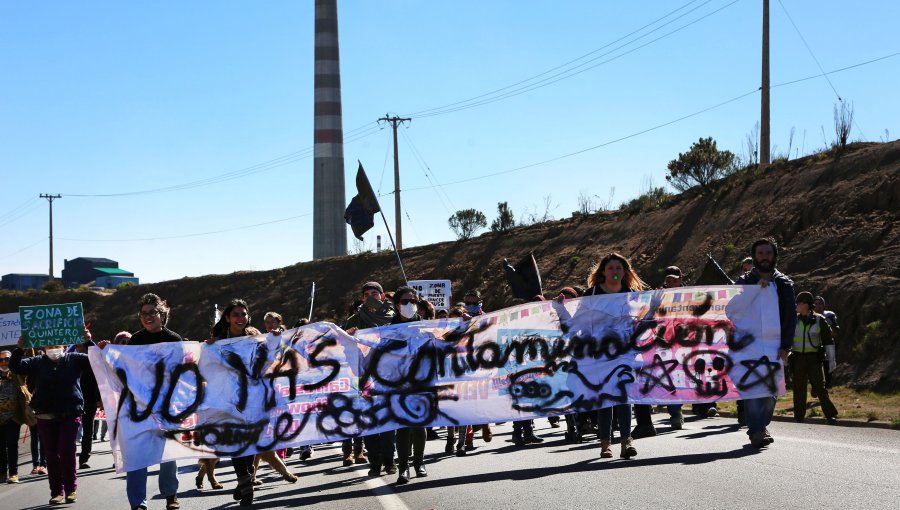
571, 72
21, 249
182, 236
526, 80
423, 166
811, 53
21, 213
358, 134
654, 128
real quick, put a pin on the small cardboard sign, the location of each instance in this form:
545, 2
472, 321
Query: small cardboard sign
44, 325
9, 328
435, 291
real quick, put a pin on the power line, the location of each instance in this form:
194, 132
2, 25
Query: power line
20, 250
198, 234
421, 112
568, 73
16, 214
359, 133
425, 170
654, 128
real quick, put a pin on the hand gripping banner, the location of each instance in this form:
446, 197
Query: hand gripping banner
318, 384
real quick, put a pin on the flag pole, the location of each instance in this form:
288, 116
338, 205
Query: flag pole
391, 237
312, 300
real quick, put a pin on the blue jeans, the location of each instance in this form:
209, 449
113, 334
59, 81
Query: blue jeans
136, 483
758, 413
623, 416
37, 449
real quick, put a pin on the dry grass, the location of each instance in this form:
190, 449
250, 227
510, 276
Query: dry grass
852, 404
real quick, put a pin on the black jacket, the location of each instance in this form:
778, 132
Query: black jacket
57, 388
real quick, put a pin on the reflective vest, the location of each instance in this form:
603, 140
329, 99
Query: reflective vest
807, 337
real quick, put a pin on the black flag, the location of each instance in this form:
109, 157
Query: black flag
360, 214
524, 279
713, 274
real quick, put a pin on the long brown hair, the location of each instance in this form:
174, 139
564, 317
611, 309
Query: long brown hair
631, 280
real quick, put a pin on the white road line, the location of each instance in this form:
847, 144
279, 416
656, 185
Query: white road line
384, 494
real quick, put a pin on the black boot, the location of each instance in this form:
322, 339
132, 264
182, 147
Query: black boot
528, 435
374, 469
403, 476
420, 470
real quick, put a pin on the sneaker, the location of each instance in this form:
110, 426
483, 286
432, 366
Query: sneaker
172, 503
390, 469
36, 471
306, 453
71, 497
13, 479
375, 470
84, 465
421, 472
677, 423
461, 451
43, 469
768, 437
831, 421
57, 500
712, 412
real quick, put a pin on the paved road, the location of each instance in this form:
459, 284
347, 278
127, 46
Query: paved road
707, 465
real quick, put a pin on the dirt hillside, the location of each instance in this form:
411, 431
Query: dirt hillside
836, 220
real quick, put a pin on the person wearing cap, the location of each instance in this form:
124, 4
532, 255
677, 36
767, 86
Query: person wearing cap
757, 412
374, 311
831, 363
812, 338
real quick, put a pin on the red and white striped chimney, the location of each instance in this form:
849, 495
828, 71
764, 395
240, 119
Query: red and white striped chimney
329, 227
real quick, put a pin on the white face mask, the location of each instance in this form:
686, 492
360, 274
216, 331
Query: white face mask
55, 354
408, 311
4, 370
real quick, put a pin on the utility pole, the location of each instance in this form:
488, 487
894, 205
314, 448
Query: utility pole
50, 199
395, 121
764, 138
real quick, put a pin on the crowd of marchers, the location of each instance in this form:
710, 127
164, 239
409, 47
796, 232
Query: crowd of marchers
53, 391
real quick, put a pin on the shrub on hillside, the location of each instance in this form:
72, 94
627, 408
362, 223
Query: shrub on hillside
649, 201
53, 286
703, 164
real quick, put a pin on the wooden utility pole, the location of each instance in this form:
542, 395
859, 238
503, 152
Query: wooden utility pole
50, 199
764, 137
395, 121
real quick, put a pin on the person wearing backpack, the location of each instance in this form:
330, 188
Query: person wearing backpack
812, 339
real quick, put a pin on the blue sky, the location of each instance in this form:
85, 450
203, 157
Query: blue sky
124, 97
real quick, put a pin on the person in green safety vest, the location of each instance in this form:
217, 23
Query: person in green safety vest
812, 342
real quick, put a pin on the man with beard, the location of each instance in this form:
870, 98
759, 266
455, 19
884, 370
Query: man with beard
758, 411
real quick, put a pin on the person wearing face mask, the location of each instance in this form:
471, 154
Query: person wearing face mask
58, 405
473, 305
614, 275
374, 311
11, 403
409, 438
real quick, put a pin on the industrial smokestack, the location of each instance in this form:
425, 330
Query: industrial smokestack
329, 227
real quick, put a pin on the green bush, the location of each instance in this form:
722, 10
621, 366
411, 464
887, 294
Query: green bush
53, 286
125, 285
649, 201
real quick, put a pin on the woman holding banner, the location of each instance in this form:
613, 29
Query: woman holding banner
58, 405
613, 275
235, 322
409, 438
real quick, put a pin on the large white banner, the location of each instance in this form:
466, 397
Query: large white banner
319, 384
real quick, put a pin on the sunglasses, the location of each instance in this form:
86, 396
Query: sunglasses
407, 301
152, 313
4, 360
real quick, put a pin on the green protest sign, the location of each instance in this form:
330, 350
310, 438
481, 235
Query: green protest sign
44, 325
